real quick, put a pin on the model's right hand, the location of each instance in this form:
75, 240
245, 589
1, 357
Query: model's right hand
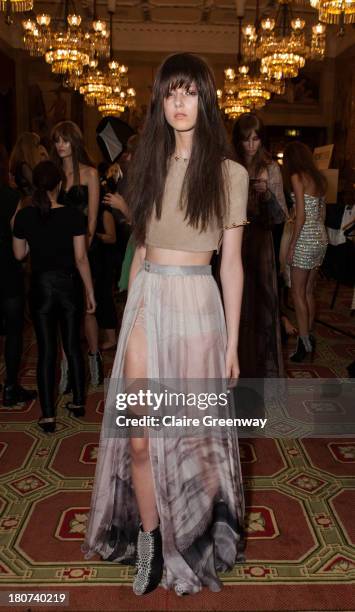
90, 303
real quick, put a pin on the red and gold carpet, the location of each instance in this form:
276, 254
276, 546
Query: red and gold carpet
300, 497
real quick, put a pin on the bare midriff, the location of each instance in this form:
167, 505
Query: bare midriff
170, 257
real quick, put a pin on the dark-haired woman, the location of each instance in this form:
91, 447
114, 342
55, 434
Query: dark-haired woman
176, 500
309, 241
80, 190
55, 236
260, 350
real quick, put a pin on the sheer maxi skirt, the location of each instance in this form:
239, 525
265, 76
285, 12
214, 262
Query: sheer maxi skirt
197, 479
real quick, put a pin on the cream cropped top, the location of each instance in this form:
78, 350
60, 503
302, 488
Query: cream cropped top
172, 231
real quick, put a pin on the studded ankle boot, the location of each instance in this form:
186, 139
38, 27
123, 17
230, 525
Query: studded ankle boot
149, 561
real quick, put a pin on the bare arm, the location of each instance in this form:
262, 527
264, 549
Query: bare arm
298, 190
20, 248
19, 245
82, 263
137, 262
232, 287
109, 237
93, 205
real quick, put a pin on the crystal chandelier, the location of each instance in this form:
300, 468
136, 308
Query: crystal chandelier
281, 44
336, 11
68, 50
317, 50
251, 91
94, 87
239, 83
111, 106
74, 80
36, 34
230, 106
234, 110
254, 91
121, 96
98, 37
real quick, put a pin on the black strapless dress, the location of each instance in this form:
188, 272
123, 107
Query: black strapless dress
77, 196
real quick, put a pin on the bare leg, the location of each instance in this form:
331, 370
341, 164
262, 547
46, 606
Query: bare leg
92, 332
142, 477
109, 339
310, 296
299, 278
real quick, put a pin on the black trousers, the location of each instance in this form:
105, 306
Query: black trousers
56, 299
12, 313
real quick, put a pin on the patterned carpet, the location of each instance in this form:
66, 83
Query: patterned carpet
300, 497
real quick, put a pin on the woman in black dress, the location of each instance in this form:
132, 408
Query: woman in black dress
80, 190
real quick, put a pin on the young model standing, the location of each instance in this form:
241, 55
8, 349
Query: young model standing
177, 501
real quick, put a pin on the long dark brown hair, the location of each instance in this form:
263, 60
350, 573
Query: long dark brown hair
243, 128
46, 177
70, 132
298, 159
203, 186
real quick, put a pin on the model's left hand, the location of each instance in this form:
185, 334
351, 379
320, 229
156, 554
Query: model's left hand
232, 367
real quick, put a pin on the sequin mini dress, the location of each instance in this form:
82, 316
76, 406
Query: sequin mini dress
312, 242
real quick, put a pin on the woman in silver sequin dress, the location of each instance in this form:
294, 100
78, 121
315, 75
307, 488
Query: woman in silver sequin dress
309, 239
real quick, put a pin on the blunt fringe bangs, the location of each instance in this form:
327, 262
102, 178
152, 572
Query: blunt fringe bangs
204, 186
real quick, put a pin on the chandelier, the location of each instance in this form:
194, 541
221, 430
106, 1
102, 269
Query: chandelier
98, 37
94, 87
74, 80
111, 106
36, 34
68, 50
117, 102
241, 91
336, 11
120, 96
281, 44
251, 91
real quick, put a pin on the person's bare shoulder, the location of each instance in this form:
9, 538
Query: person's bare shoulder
87, 173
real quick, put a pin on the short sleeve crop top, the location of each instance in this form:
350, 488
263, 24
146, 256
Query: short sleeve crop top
172, 231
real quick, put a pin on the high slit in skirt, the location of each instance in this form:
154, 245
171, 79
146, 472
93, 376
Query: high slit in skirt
197, 479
